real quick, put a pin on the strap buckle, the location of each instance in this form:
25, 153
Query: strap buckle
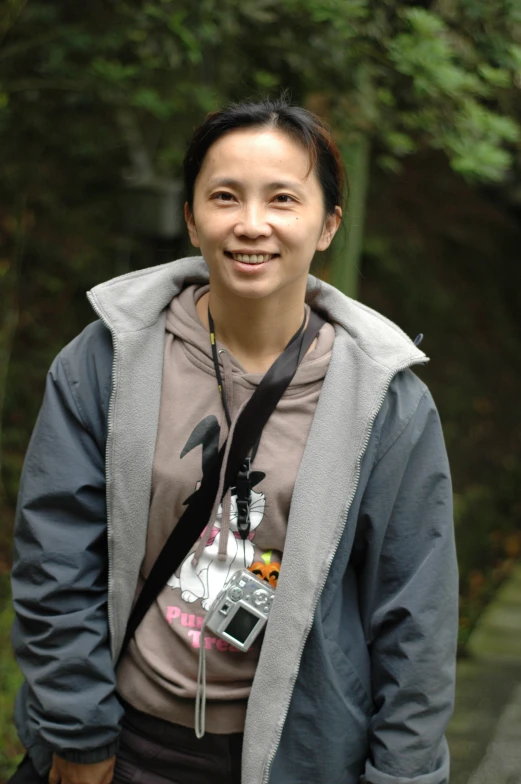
243, 487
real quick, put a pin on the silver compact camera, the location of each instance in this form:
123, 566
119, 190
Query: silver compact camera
241, 610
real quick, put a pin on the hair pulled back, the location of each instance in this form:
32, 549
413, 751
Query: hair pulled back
304, 126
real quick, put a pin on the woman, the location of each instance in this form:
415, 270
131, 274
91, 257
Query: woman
349, 498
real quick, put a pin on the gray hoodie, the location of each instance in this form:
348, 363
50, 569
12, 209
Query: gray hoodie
158, 673
356, 672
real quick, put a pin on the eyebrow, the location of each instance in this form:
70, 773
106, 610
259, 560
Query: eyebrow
228, 182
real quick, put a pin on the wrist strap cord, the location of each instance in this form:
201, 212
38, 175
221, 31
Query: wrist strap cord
200, 694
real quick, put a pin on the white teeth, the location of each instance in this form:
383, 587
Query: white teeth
250, 258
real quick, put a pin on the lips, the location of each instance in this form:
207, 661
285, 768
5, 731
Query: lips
251, 258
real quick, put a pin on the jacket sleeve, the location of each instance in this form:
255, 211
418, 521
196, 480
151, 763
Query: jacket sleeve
410, 597
59, 577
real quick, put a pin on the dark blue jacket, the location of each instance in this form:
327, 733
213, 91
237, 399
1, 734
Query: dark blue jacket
356, 675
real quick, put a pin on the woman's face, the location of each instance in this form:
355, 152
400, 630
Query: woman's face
258, 214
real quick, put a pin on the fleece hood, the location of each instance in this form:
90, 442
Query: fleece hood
135, 301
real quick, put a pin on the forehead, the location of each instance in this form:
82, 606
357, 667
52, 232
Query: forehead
258, 153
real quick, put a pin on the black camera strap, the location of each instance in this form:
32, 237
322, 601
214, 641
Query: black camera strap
248, 429
243, 484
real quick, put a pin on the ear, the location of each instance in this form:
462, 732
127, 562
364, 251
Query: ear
329, 229
190, 225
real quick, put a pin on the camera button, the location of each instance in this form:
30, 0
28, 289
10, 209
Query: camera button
235, 594
260, 597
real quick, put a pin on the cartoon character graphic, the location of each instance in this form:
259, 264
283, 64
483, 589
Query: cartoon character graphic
204, 580
264, 570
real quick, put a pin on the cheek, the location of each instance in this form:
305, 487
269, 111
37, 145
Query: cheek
213, 227
294, 228
305, 232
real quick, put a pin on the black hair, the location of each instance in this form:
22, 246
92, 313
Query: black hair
302, 125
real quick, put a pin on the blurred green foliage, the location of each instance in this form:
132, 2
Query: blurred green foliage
10, 681
442, 258
96, 95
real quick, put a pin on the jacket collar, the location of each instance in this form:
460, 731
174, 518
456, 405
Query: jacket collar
133, 302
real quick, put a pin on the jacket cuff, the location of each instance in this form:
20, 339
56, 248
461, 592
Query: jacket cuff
373, 776
86, 757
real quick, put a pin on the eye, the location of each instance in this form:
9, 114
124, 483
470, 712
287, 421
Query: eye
223, 196
284, 198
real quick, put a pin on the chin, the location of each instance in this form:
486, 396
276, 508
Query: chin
257, 290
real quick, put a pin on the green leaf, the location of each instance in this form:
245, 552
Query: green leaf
266, 80
400, 143
483, 161
149, 99
114, 71
497, 77
389, 163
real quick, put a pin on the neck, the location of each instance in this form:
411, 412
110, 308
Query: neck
270, 327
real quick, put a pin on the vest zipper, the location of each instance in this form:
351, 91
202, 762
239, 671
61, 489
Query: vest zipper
404, 366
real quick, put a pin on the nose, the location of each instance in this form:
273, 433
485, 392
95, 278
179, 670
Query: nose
252, 222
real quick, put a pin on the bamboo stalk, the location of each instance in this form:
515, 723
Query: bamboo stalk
346, 251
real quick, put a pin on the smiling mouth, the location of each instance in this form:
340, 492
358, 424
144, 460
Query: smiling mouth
251, 258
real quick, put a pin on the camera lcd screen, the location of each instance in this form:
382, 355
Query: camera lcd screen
241, 625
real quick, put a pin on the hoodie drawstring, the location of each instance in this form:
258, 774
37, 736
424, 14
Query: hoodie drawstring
226, 501
227, 377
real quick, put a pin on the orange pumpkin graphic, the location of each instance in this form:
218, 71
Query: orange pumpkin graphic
267, 572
